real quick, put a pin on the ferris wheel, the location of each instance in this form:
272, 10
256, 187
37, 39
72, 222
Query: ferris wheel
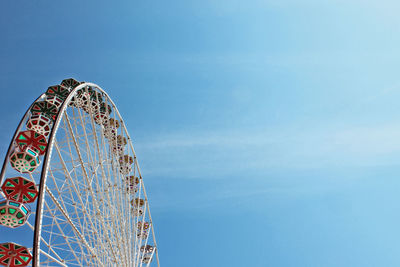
71, 189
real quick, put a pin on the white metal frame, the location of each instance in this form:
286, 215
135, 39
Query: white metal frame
84, 215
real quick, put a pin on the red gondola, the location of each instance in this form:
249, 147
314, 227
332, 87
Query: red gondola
55, 100
111, 129
70, 83
137, 202
20, 189
126, 159
33, 140
117, 149
14, 255
44, 108
125, 163
58, 90
145, 225
137, 211
101, 116
147, 258
147, 249
142, 234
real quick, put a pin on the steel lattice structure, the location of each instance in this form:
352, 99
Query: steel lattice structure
75, 182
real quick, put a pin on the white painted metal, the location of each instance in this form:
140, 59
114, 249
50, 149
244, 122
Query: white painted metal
85, 212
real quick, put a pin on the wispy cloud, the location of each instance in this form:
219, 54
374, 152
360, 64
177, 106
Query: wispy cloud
216, 153
243, 167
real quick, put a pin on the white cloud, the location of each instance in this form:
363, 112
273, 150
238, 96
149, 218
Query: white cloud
205, 154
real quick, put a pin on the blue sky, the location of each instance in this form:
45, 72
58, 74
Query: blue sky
267, 131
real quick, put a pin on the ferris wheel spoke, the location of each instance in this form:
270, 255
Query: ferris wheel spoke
85, 211
89, 153
71, 223
47, 245
151, 222
127, 214
118, 185
147, 238
74, 213
63, 236
85, 175
54, 259
141, 255
98, 163
138, 241
74, 187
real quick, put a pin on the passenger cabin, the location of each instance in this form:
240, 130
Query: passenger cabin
13, 214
